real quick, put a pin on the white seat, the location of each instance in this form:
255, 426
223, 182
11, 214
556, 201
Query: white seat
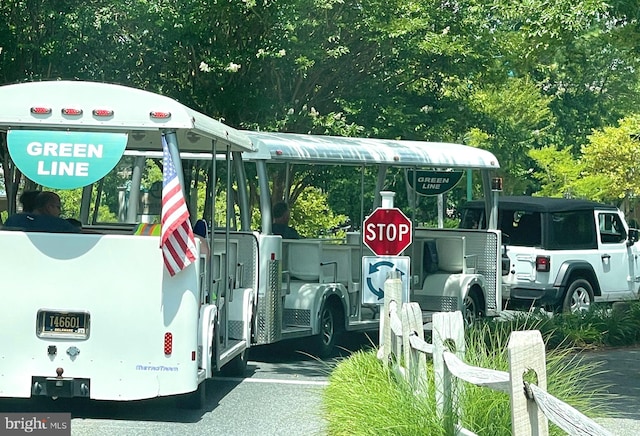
303, 259
451, 261
450, 254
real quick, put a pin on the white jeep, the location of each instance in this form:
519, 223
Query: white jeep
563, 254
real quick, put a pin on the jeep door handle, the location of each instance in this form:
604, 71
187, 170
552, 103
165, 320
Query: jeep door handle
606, 256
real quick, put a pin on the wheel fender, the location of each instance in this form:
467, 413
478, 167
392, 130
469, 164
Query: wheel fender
584, 269
208, 316
247, 308
468, 281
326, 293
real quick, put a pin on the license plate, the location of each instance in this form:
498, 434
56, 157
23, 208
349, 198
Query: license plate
63, 324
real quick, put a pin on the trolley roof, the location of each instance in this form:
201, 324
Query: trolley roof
117, 108
299, 148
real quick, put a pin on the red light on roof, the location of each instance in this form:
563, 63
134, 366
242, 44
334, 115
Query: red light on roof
103, 112
160, 115
71, 111
41, 110
279, 152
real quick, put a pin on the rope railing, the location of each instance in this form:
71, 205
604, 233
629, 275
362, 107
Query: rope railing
531, 405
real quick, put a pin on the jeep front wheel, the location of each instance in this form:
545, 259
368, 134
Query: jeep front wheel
579, 297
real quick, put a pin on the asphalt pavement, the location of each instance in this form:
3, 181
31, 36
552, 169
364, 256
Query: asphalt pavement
620, 378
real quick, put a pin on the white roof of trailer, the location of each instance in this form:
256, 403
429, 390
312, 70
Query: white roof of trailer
131, 113
299, 148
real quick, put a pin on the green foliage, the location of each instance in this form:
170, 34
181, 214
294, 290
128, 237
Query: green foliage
613, 153
311, 215
514, 118
558, 172
365, 398
596, 328
606, 169
484, 412
509, 77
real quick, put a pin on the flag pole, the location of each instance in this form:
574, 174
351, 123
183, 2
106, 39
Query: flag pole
172, 143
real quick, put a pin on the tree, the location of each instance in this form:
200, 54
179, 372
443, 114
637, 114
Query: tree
613, 156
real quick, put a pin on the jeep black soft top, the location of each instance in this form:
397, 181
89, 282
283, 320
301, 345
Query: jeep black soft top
550, 223
541, 204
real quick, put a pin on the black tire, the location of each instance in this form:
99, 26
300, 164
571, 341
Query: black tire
472, 311
324, 342
237, 366
579, 297
193, 400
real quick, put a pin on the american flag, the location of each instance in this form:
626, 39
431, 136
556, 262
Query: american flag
177, 243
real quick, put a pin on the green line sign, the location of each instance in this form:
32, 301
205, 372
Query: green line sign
429, 182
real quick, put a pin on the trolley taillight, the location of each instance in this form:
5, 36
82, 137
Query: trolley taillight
168, 343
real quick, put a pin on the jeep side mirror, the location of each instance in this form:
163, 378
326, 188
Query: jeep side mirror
633, 237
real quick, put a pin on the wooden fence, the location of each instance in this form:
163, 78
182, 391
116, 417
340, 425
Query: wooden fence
403, 346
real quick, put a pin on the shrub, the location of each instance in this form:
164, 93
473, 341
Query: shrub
364, 398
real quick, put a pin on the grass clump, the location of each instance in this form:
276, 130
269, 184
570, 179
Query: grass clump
597, 328
570, 378
364, 398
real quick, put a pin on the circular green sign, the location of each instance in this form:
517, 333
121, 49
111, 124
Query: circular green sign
65, 160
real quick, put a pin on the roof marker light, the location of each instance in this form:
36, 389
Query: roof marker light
160, 115
279, 152
71, 111
41, 110
103, 112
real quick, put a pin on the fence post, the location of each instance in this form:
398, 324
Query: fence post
392, 292
414, 360
526, 352
448, 332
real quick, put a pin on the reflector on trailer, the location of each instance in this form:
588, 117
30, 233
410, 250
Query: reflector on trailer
168, 343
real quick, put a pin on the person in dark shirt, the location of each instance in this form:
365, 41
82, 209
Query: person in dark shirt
44, 218
28, 201
281, 215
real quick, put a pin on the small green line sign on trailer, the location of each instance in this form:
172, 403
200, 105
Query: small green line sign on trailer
428, 182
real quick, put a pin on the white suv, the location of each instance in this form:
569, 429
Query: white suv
563, 254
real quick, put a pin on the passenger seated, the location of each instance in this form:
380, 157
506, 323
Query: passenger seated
44, 218
28, 201
280, 226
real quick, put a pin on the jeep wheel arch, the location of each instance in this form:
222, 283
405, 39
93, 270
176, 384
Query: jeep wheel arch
573, 269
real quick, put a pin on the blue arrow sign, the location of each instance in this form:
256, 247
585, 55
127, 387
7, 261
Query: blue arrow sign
377, 292
376, 266
375, 271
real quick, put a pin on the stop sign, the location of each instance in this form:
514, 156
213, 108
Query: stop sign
387, 232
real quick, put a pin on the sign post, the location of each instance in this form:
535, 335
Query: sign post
387, 232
